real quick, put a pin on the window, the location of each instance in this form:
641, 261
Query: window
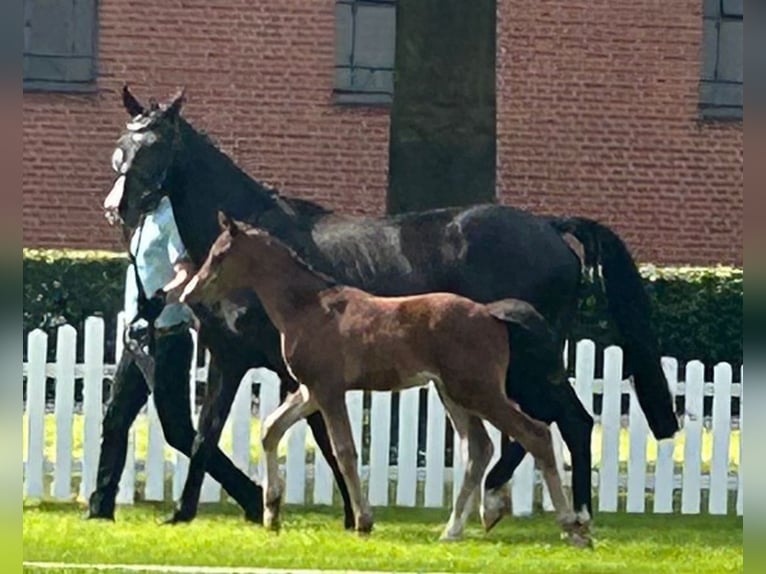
364, 51
721, 86
60, 45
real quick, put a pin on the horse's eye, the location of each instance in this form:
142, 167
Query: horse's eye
118, 157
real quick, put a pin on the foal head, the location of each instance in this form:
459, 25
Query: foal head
222, 271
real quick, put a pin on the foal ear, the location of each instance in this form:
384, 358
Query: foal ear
131, 104
226, 223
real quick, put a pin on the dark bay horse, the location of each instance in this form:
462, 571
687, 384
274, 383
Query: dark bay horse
485, 253
336, 338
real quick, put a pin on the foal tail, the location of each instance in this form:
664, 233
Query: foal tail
628, 305
533, 342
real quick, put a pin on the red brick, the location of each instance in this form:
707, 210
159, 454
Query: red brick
597, 116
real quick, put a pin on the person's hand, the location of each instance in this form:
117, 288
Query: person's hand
184, 272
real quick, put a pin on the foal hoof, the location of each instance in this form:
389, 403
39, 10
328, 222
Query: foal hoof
495, 505
364, 524
349, 522
271, 519
449, 536
577, 531
578, 539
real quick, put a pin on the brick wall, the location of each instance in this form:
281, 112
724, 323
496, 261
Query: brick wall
596, 116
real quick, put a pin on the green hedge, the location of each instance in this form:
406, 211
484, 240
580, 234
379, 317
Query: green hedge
67, 286
697, 311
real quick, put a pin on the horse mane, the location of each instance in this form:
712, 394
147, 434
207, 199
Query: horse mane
257, 232
300, 206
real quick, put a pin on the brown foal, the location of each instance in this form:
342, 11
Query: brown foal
336, 338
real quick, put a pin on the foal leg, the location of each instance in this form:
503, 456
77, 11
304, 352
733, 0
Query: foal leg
496, 501
335, 415
319, 430
297, 406
535, 436
477, 450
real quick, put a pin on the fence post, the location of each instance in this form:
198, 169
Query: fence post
694, 391
268, 396
638, 429
407, 447
719, 468
295, 482
37, 356
434, 487
66, 349
664, 472
585, 367
380, 439
610, 430
740, 491
92, 402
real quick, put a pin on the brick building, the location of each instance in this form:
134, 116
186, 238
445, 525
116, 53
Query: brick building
609, 109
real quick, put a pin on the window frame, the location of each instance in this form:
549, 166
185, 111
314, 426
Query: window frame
718, 99
350, 97
68, 86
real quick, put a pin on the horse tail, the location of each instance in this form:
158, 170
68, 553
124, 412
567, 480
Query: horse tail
533, 343
629, 307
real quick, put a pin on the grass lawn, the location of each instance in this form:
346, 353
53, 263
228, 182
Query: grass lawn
403, 540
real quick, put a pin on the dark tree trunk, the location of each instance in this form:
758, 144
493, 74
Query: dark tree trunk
442, 144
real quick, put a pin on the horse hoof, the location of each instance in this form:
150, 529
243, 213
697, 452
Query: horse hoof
105, 518
255, 516
178, 517
495, 505
349, 523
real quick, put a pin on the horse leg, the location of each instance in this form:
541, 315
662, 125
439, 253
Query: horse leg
297, 406
221, 390
322, 439
496, 501
129, 394
335, 415
477, 451
576, 426
173, 354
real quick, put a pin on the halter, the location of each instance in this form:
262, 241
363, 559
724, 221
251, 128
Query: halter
148, 308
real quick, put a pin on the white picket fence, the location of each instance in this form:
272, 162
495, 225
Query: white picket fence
403, 484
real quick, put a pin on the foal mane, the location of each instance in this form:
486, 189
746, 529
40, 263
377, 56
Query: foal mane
260, 233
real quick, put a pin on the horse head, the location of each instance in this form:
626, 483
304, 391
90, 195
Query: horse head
143, 158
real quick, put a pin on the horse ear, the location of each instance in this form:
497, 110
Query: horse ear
226, 223
175, 105
131, 104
